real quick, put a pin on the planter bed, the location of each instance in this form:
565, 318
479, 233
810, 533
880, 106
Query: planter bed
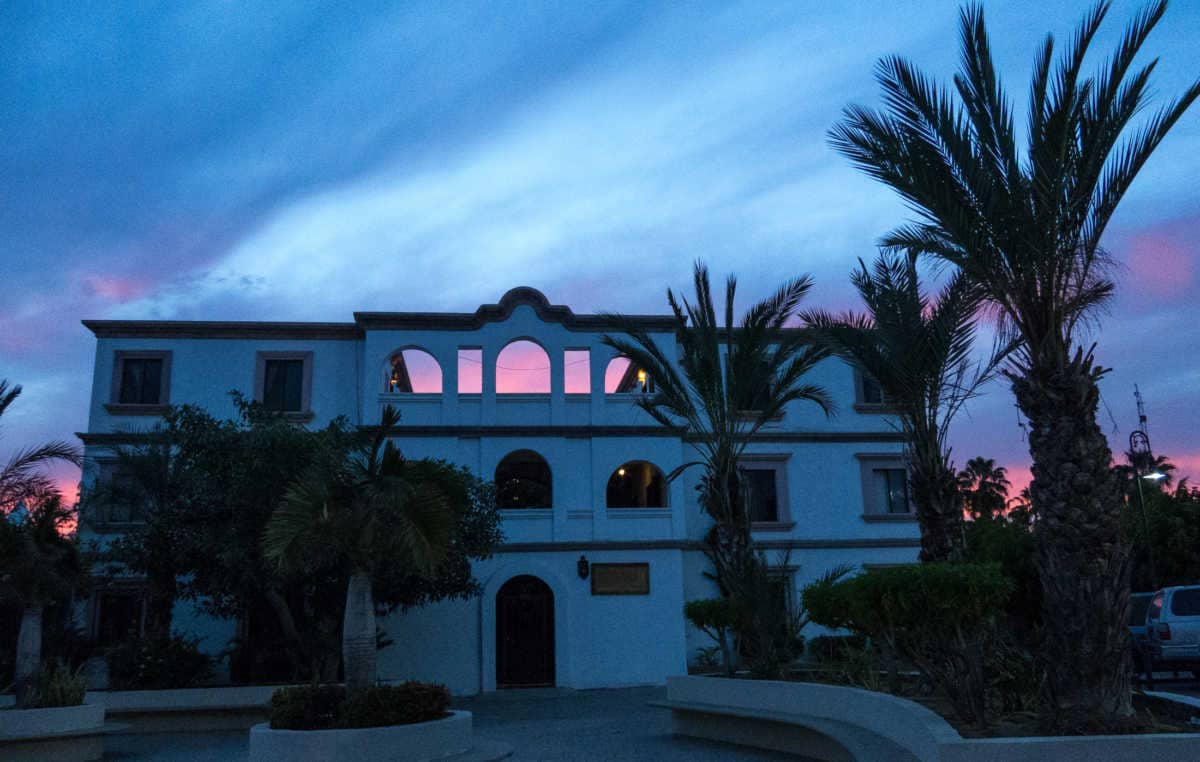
65, 734
176, 710
841, 724
448, 738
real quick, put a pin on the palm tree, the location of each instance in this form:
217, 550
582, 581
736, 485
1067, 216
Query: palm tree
22, 478
1141, 464
732, 378
984, 487
40, 564
919, 352
368, 509
1026, 226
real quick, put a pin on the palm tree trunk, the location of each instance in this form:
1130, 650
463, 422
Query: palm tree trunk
939, 511
358, 633
1081, 557
29, 648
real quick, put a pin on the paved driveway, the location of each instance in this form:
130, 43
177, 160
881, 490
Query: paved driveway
540, 724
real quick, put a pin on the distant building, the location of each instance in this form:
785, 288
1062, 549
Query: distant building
524, 392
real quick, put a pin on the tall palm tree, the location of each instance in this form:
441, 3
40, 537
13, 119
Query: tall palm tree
729, 379
22, 478
984, 487
39, 563
919, 352
365, 510
1026, 226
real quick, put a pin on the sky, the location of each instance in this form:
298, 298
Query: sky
301, 160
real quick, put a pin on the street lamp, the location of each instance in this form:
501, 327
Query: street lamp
1139, 449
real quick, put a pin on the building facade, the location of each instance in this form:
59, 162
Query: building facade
600, 550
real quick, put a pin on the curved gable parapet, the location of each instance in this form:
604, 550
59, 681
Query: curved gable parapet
501, 311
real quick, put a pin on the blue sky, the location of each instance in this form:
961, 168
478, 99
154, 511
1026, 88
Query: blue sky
299, 161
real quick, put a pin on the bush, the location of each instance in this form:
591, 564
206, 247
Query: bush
306, 707
395, 705
55, 686
941, 617
717, 618
174, 662
835, 648
326, 707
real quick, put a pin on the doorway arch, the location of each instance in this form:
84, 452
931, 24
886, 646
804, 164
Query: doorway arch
525, 633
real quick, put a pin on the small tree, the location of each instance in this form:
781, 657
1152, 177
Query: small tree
39, 563
718, 619
919, 352
732, 378
362, 512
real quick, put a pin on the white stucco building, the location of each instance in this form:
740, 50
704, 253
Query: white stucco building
559, 422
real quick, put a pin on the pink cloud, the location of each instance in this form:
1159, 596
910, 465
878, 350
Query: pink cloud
115, 288
1162, 263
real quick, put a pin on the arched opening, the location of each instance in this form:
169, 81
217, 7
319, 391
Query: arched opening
413, 371
637, 484
522, 367
621, 376
523, 481
524, 633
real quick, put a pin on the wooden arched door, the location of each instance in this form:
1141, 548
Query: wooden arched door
524, 633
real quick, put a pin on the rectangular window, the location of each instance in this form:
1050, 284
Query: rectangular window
577, 371
118, 617
141, 381
116, 498
762, 493
140, 378
869, 390
470, 370
283, 385
891, 490
283, 381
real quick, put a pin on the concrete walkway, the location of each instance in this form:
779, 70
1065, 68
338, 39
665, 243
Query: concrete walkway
540, 724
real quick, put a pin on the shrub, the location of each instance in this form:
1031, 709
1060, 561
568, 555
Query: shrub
174, 662
394, 705
717, 618
55, 686
306, 707
939, 616
328, 706
835, 648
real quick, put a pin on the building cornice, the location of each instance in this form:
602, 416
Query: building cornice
528, 431
224, 329
573, 432
785, 544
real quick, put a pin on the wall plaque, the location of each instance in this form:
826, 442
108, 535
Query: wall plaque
621, 579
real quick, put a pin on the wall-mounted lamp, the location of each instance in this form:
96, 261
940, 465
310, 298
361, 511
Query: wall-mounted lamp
641, 376
581, 566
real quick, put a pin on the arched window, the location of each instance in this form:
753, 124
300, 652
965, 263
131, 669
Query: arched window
523, 481
623, 377
637, 484
522, 367
413, 371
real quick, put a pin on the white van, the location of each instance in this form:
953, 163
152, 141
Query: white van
1173, 628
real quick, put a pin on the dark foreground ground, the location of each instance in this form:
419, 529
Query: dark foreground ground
553, 724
